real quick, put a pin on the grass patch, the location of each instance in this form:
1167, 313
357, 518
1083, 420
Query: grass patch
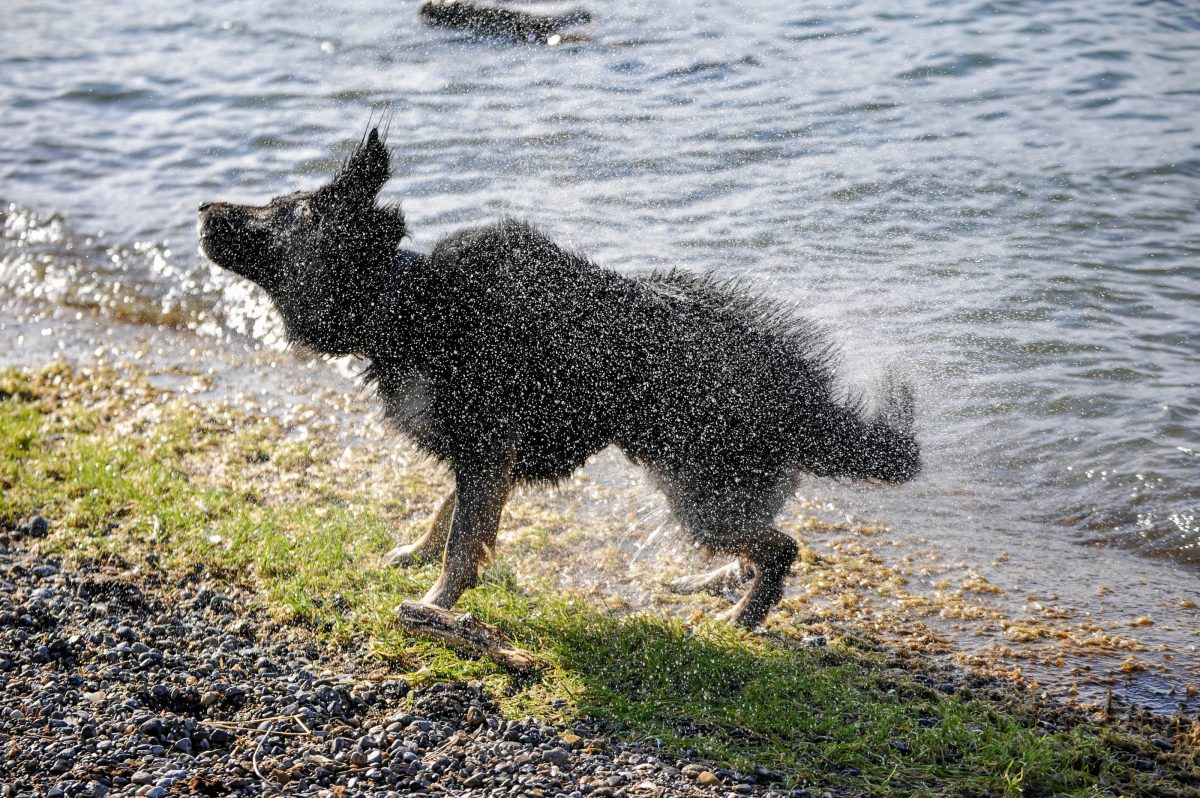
121, 467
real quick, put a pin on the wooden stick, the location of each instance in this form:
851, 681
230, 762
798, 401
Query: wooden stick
254, 759
467, 634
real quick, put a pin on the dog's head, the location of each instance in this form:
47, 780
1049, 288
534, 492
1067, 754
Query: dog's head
323, 256
337, 227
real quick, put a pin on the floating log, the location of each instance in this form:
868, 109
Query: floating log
491, 20
466, 634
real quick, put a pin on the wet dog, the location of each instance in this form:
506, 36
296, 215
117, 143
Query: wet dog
513, 360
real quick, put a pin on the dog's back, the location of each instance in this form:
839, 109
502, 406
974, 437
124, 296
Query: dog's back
514, 334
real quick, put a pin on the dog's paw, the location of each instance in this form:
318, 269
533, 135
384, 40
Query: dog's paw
723, 582
728, 616
406, 556
739, 616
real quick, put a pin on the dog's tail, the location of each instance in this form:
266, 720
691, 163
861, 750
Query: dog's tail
887, 448
882, 446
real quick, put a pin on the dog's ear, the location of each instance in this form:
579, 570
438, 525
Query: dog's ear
365, 171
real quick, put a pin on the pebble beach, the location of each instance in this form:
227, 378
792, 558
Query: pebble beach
116, 681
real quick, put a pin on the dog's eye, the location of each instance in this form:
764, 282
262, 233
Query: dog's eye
299, 214
305, 213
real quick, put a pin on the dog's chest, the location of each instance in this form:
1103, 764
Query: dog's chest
408, 402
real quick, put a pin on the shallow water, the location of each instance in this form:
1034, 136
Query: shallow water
998, 201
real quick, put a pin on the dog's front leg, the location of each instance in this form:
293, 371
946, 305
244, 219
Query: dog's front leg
430, 545
480, 493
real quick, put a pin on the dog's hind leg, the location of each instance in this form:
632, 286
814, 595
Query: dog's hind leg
721, 581
430, 545
772, 552
480, 494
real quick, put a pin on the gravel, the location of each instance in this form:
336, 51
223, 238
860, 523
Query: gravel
114, 681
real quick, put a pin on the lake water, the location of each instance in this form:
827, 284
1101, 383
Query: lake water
1000, 201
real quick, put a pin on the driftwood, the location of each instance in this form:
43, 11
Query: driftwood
492, 20
466, 634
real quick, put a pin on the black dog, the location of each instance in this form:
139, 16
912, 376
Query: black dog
512, 360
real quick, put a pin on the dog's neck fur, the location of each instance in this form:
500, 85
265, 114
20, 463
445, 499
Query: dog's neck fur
389, 327
406, 261
365, 310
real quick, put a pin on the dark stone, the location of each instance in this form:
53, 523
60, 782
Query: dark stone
151, 728
556, 756
764, 774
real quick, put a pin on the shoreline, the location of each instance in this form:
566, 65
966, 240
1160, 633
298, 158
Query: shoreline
126, 678
172, 489
131, 679
913, 593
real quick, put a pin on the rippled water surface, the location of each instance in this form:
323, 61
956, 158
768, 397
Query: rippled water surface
1000, 201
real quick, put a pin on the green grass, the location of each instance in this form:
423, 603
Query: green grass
122, 469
